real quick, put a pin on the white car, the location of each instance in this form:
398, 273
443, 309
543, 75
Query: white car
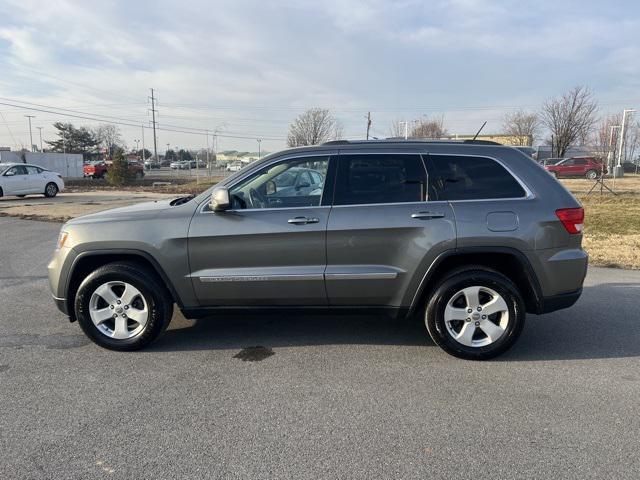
234, 167
22, 179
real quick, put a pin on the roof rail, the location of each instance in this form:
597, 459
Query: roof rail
413, 140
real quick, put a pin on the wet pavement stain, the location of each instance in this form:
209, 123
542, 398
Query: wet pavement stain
254, 354
54, 341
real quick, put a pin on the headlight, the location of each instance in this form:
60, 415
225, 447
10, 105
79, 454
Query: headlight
64, 239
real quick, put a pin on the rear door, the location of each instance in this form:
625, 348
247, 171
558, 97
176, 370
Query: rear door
383, 233
36, 179
269, 249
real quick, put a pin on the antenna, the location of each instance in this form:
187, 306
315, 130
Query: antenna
478, 132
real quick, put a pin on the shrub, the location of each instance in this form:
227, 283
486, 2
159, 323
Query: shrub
119, 172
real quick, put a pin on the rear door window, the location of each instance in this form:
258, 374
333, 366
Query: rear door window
453, 177
380, 178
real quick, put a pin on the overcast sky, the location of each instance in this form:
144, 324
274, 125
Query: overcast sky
249, 67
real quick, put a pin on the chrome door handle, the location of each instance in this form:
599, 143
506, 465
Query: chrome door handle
302, 220
427, 215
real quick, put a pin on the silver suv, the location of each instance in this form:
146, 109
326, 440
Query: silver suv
470, 235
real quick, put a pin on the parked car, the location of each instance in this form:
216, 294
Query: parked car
587, 167
175, 165
137, 168
23, 179
630, 167
96, 169
151, 164
379, 232
234, 167
551, 161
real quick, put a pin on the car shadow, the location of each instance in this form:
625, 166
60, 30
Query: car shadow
604, 323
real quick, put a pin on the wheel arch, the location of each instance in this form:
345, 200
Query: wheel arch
510, 262
87, 262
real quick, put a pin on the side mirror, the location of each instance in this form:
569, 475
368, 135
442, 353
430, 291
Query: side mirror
10, 173
220, 200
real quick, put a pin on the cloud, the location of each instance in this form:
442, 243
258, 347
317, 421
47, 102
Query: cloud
256, 65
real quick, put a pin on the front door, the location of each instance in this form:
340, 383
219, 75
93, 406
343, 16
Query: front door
16, 181
269, 248
382, 233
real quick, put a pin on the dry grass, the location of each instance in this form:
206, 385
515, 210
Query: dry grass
612, 223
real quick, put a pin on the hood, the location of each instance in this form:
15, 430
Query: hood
132, 212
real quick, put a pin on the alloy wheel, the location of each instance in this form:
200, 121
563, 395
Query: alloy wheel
476, 316
118, 310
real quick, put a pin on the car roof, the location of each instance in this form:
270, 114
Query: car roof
13, 164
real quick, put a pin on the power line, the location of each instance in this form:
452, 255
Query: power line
178, 129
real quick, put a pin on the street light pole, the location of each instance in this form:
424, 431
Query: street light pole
259, 148
30, 133
624, 118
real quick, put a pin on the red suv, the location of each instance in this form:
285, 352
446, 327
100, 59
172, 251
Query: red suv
99, 169
95, 169
587, 167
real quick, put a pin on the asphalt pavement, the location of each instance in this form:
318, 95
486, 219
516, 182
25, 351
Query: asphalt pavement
324, 397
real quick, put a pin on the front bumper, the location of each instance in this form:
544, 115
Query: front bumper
61, 304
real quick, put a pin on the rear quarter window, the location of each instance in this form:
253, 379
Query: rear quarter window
454, 177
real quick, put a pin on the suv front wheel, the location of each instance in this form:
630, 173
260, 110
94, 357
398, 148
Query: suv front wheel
475, 314
123, 306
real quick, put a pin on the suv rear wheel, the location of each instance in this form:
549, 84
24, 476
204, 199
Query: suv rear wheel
123, 306
475, 314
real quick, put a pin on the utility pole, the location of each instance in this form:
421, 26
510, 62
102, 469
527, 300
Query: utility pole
137, 145
41, 149
30, 133
153, 121
208, 157
259, 148
368, 123
143, 147
612, 150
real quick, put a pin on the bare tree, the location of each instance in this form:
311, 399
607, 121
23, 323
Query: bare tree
108, 136
425, 127
523, 126
604, 138
314, 126
570, 118
397, 129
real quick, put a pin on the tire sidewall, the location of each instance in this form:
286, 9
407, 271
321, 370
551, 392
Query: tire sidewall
156, 322
46, 190
435, 322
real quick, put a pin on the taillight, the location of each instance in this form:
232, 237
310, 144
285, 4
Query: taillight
572, 219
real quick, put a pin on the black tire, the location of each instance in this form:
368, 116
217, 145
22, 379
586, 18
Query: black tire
1, 192
20, 196
591, 175
447, 289
155, 293
50, 190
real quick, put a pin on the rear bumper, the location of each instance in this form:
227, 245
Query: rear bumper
558, 302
